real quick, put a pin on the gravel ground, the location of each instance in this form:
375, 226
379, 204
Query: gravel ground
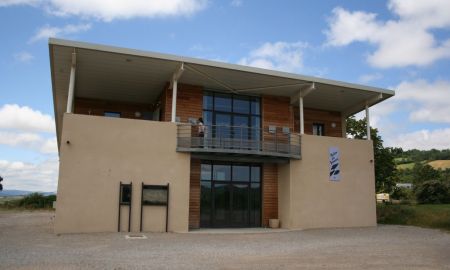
27, 242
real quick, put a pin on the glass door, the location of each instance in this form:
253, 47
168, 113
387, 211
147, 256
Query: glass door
230, 195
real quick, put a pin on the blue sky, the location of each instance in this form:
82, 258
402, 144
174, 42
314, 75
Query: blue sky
398, 44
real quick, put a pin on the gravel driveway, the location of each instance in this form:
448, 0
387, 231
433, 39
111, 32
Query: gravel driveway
27, 242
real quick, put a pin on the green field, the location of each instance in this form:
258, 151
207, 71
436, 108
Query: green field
435, 216
9, 198
436, 164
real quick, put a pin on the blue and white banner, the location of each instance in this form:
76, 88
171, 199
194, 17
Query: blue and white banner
335, 168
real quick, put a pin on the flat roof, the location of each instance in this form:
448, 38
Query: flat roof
113, 73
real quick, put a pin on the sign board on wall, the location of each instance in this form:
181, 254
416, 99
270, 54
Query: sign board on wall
335, 168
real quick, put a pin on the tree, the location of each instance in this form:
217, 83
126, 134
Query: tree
385, 170
432, 191
424, 172
1, 186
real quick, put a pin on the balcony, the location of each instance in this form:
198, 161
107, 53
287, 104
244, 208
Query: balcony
270, 142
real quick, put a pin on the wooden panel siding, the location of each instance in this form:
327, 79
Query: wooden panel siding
194, 195
269, 193
276, 111
321, 117
99, 107
189, 102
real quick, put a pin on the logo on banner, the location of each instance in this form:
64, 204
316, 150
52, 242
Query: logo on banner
335, 170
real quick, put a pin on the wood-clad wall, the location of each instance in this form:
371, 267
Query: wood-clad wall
99, 107
189, 102
326, 118
269, 193
194, 194
276, 111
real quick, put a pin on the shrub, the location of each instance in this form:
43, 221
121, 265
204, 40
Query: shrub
401, 194
37, 200
432, 191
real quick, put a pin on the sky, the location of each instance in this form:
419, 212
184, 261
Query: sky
397, 44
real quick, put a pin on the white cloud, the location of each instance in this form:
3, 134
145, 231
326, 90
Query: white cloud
48, 31
406, 40
422, 139
108, 10
430, 101
6, 3
13, 116
28, 176
236, 3
283, 56
366, 78
24, 57
32, 141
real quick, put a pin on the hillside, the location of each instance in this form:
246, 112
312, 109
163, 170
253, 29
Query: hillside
436, 164
440, 164
14, 192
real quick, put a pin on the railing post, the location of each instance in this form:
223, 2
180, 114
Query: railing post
276, 141
241, 140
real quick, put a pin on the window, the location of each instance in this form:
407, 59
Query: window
318, 129
232, 116
112, 114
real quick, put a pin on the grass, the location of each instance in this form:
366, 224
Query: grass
440, 164
9, 198
405, 166
30, 201
436, 216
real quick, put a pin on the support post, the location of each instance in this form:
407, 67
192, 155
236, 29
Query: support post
174, 85
367, 121
71, 84
174, 100
344, 126
302, 122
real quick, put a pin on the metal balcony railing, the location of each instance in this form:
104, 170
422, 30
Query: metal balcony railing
273, 141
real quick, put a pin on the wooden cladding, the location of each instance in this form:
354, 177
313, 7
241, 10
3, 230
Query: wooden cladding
327, 118
194, 195
276, 111
189, 102
99, 107
269, 193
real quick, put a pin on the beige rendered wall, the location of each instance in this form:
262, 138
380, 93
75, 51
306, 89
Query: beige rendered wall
104, 151
317, 202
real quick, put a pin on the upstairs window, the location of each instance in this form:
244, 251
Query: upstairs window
318, 129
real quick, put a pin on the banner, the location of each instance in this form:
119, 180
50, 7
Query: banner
335, 170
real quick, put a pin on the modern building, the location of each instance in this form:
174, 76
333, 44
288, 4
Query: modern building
273, 145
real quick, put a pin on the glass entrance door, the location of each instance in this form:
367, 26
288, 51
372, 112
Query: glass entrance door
230, 195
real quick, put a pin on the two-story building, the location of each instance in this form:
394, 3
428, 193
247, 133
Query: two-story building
272, 145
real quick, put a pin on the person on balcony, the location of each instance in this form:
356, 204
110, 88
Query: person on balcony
201, 131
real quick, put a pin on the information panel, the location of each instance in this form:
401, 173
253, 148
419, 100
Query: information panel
154, 195
335, 168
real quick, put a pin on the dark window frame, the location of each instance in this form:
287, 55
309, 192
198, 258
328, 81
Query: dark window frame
231, 182
250, 116
322, 127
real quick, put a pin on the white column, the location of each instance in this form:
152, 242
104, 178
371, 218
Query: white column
71, 86
174, 100
344, 126
302, 122
367, 121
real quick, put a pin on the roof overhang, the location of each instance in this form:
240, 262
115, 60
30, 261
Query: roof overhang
112, 73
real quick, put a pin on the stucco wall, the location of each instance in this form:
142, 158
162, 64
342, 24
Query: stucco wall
317, 202
104, 151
